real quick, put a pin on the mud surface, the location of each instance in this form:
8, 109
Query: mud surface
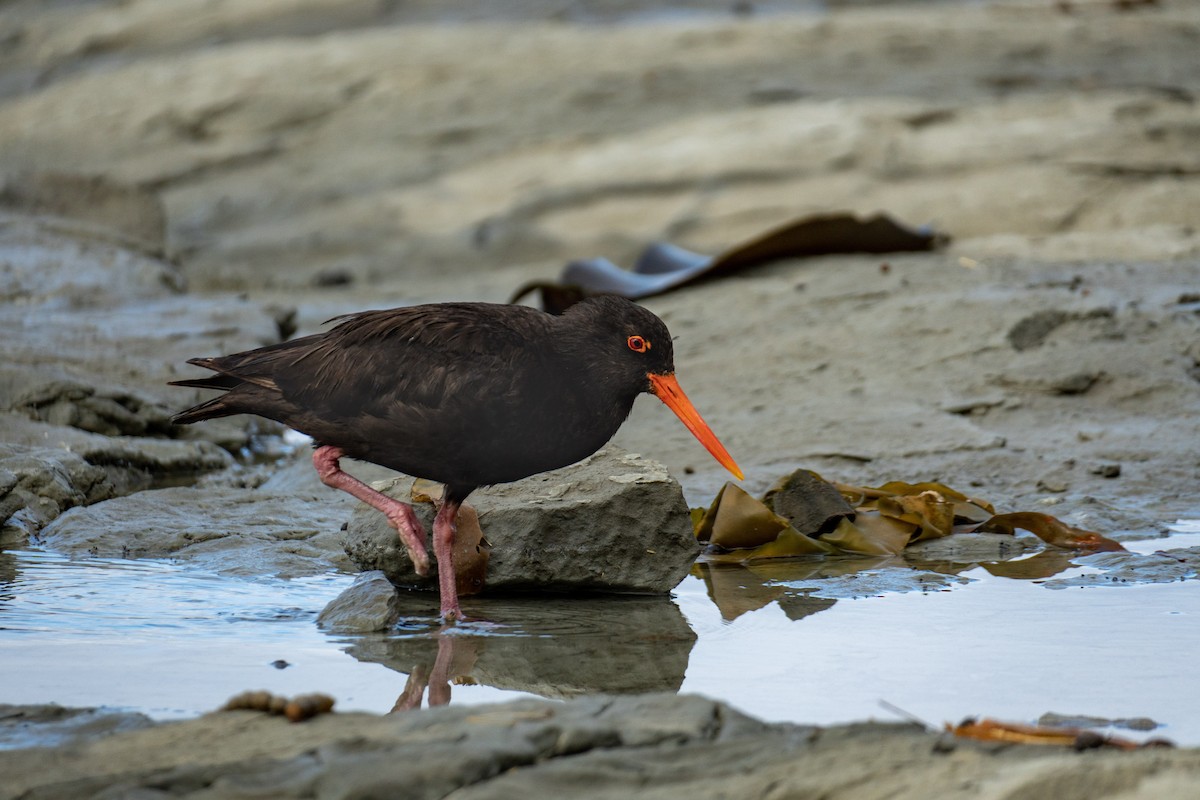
184, 179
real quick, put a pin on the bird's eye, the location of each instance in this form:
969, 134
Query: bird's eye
637, 344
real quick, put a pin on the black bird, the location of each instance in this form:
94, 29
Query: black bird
466, 394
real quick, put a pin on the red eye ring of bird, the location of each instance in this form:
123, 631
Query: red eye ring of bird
637, 344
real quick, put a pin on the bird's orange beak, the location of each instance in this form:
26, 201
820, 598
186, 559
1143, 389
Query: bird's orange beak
667, 389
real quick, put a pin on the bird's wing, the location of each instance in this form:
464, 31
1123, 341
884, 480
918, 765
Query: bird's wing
379, 362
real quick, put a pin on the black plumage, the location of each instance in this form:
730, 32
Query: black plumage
466, 394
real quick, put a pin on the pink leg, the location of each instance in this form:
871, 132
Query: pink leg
400, 515
444, 529
439, 676
414, 690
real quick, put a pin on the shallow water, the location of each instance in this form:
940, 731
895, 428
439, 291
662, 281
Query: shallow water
173, 642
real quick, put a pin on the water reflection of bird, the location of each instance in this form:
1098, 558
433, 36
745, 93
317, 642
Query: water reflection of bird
466, 394
455, 658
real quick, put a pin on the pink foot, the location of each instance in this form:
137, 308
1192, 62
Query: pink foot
400, 515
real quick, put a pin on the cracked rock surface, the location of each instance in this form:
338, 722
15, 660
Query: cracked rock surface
614, 522
655, 745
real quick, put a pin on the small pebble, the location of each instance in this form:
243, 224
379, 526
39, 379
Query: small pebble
947, 742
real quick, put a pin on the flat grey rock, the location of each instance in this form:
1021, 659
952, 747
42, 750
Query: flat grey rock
416, 755
231, 531
368, 604
46, 469
109, 410
661, 746
73, 263
614, 522
38, 484
52, 725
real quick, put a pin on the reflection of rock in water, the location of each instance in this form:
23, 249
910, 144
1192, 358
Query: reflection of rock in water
736, 589
798, 607
8, 576
555, 648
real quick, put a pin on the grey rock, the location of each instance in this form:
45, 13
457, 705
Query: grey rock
1132, 569
368, 604
614, 522
47, 469
1053, 483
53, 726
110, 411
38, 484
972, 405
76, 264
419, 755
1033, 330
228, 531
811, 504
1076, 382
132, 462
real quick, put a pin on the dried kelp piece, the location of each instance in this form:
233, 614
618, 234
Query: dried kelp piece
662, 266
990, 730
738, 522
734, 591
929, 512
1039, 566
884, 520
471, 552
822, 234
810, 503
471, 549
1049, 529
556, 298
967, 510
871, 534
296, 709
789, 543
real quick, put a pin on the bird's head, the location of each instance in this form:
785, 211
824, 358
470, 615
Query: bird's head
636, 351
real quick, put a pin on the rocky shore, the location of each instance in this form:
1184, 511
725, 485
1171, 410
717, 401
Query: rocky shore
187, 178
654, 746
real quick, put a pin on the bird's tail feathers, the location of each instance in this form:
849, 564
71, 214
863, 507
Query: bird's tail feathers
209, 409
224, 382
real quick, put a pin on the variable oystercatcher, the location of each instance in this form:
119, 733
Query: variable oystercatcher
466, 394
